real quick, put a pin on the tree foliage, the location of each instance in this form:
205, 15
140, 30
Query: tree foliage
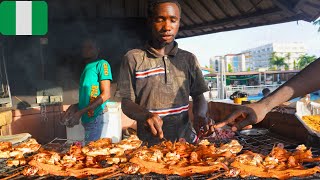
305, 60
317, 23
230, 68
278, 61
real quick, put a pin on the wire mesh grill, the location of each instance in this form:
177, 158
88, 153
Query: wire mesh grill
260, 144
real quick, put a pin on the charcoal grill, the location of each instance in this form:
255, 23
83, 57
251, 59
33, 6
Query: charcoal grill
260, 144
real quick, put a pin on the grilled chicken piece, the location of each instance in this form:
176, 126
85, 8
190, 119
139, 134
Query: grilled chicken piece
60, 171
234, 147
249, 170
30, 171
5, 154
7, 151
16, 162
4, 146
99, 147
133, 142
28, 147
131, 168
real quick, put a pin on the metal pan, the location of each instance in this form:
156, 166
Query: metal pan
254, 132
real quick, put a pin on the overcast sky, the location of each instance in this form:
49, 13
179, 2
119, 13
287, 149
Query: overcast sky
222, 43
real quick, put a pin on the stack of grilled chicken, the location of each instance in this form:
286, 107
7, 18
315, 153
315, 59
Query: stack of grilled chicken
102, 157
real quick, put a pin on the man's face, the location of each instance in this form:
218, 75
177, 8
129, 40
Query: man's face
89, 49
165, 22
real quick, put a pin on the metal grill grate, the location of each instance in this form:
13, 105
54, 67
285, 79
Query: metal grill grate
260, 144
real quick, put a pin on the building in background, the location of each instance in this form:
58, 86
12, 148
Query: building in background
260, 56
214, 63
235, 62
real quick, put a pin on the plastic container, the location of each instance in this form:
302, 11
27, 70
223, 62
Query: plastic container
112, 127
76, 132
239, 100
306, 109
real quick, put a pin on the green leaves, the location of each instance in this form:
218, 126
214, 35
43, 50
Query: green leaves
305, 60
278, 61
230, 68
317, 22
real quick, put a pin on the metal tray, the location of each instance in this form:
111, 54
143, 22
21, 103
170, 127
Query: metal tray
311, 131
254, 132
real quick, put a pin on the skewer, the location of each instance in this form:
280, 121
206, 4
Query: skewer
117, 173
13, 170
9, 177
216, 176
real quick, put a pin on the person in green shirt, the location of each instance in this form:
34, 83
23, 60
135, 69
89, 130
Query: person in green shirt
94, 92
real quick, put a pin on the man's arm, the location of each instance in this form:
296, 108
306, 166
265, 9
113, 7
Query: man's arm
306, 81
134, 111
200, 109
73, 114
138, 113
104, 95
197, 87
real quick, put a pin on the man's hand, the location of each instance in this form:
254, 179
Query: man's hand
202, 124
155, 123
74, 119
72, 116
243, 117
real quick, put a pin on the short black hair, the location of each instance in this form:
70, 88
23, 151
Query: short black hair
265, 91
91, 38
153, 3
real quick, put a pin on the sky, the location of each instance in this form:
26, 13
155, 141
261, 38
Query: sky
230, 42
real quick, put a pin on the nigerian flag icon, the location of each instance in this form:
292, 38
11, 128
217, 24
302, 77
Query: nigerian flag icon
23, 17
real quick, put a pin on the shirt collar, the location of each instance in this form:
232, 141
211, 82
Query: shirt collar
155, 53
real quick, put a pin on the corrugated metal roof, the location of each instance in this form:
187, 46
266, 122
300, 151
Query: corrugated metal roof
198, 16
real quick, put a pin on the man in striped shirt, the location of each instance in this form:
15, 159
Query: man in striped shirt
156, 81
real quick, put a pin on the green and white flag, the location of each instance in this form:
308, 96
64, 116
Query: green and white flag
23, 18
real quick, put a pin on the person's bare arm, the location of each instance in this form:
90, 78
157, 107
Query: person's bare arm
200, 109
138, 113
306, 81
134, 111
73, 114
104, 95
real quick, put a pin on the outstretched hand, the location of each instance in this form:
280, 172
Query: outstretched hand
243, 117
155, 123
202, 125
70, 116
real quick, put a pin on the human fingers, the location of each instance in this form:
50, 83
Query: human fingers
242, 124
159, 130
65, 114
152, 126
196, 126
158, 125
247, 127
229, 119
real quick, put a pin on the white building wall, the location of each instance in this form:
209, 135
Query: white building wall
260, 56
241, 64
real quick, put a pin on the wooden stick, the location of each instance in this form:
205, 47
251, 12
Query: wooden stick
13, 175
216, 176
117, 173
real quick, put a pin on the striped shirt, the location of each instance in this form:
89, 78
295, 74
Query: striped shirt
162, 85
